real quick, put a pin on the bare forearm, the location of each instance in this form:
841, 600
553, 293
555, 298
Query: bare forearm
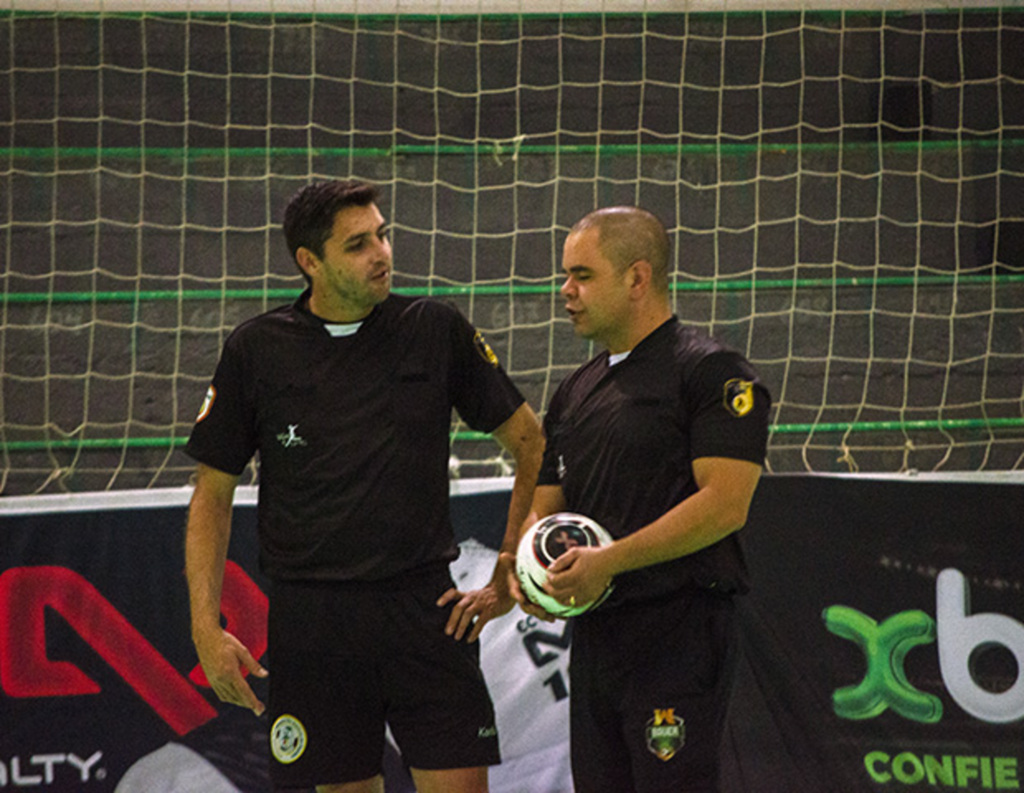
519, 505
521, 436
716, 510
206, 544
223, 657
686, 529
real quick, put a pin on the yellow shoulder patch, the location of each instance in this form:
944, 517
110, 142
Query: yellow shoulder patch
484, 349
739, 396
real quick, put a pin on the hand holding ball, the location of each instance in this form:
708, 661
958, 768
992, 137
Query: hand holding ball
545, 541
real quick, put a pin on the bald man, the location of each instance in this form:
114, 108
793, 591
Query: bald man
661, 439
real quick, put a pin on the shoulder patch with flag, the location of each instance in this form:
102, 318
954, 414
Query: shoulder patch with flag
204, 411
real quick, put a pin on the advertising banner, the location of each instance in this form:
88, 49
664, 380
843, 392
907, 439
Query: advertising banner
99, 684
884, 637
884, 645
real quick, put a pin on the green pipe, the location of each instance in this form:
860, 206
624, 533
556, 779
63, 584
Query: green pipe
811, 428
743, 285
488, 148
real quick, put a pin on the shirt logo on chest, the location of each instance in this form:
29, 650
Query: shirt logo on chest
291, 438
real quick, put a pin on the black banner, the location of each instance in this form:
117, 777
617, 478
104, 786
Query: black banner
884, 637
884, 644
96, 665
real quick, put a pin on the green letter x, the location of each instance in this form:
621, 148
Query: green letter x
885, 646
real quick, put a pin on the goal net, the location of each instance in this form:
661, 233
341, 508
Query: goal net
844, 192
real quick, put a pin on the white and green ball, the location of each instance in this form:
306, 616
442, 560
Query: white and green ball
545, 541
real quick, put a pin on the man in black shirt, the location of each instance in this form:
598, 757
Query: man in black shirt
346, 396
661, 439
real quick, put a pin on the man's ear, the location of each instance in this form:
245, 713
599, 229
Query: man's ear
640, 276
307, 260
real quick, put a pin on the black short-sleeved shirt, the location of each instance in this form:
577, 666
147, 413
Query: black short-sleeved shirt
352, 433
621, 440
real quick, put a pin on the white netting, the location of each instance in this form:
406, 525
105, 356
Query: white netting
844, 192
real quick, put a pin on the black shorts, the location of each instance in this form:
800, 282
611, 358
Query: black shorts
347, 658
650, 687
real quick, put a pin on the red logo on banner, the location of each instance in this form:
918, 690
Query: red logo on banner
27, 671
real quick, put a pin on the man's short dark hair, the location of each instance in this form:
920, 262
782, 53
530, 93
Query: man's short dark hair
628, 234
309, 216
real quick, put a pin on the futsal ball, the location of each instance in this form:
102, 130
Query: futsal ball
545, 541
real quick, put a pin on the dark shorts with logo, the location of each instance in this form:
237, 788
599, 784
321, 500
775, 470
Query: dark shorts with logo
347, 658
650, 689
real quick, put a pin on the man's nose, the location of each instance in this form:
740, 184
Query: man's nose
383, 248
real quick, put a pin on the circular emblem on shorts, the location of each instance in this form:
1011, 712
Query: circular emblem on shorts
287, 739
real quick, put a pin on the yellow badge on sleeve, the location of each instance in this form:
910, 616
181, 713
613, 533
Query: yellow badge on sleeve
484, 349
739, 396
